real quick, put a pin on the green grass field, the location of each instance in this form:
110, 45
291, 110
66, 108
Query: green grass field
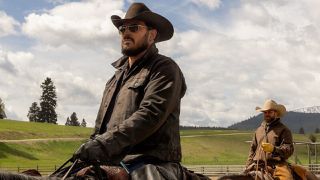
10, 129
201, 147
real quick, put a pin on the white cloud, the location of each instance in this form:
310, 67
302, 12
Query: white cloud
20, 60
5, 65
7, 24
212, 4
75, 44
75, 24
58, 1
262, 50
17, 82
77, 94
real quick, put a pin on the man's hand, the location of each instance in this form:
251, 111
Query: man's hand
267, 147
91, 151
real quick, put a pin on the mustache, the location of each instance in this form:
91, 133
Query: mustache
127, 37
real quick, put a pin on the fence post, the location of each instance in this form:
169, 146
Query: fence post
18, 169
295, 154
315, 152
309, 153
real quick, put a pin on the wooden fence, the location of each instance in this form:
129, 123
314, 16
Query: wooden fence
209, 170
216, 170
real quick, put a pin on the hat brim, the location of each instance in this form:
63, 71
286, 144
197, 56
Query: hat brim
280, 109
163, 25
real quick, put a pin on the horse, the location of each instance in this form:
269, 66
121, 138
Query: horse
260, 176
83, 170
90, 170
85, 173
255, 172
16, 176
78, 170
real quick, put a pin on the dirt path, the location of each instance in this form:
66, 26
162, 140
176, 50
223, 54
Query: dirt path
41, 140
229, 134
79, 139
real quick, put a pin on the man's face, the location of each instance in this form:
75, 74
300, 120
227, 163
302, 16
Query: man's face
135, 37
270, 115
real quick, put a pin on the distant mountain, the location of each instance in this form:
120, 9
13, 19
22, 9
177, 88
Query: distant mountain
293, 120
313, 109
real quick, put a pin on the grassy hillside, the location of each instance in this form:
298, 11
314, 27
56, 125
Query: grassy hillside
38, 153
10, 129
198, 146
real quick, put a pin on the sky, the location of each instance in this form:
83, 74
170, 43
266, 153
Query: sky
234, 54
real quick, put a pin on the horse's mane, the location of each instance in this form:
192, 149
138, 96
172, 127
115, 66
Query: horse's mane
14, 176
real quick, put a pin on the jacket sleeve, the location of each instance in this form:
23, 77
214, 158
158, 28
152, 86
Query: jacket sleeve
163, 91
285, 149
252, 150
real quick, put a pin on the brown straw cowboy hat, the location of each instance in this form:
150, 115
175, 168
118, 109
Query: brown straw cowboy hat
272, 105
139, 11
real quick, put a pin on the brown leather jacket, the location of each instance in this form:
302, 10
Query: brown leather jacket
278, 135
140, 108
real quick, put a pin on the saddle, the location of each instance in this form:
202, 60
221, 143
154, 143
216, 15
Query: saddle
298, 172
110, 172
84, 170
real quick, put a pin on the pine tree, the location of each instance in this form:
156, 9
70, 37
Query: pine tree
317, 130
83, 123
33, 113
301, 130
74, 120
68, 123
48, 102
2, 112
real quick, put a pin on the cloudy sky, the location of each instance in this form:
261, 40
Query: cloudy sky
234, 54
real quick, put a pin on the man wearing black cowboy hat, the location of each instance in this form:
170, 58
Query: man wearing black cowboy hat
138, 121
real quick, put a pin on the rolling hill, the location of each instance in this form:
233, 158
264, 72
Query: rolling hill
294, 120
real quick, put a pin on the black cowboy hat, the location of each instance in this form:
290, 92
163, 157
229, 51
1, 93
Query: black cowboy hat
139, 11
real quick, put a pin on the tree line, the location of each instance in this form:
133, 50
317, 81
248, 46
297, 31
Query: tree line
46, 112
301, 130
73, 121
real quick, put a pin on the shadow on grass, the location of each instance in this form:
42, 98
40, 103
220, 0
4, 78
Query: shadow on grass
5, 149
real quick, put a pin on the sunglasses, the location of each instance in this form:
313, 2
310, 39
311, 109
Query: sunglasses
132, 28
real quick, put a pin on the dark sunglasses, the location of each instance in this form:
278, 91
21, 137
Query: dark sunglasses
132, 28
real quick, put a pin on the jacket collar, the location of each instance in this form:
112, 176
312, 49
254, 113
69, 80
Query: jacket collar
121, 63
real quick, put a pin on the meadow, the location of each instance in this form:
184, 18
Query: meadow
199, 147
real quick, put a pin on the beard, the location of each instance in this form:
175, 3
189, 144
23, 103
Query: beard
136, 50
269, 119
